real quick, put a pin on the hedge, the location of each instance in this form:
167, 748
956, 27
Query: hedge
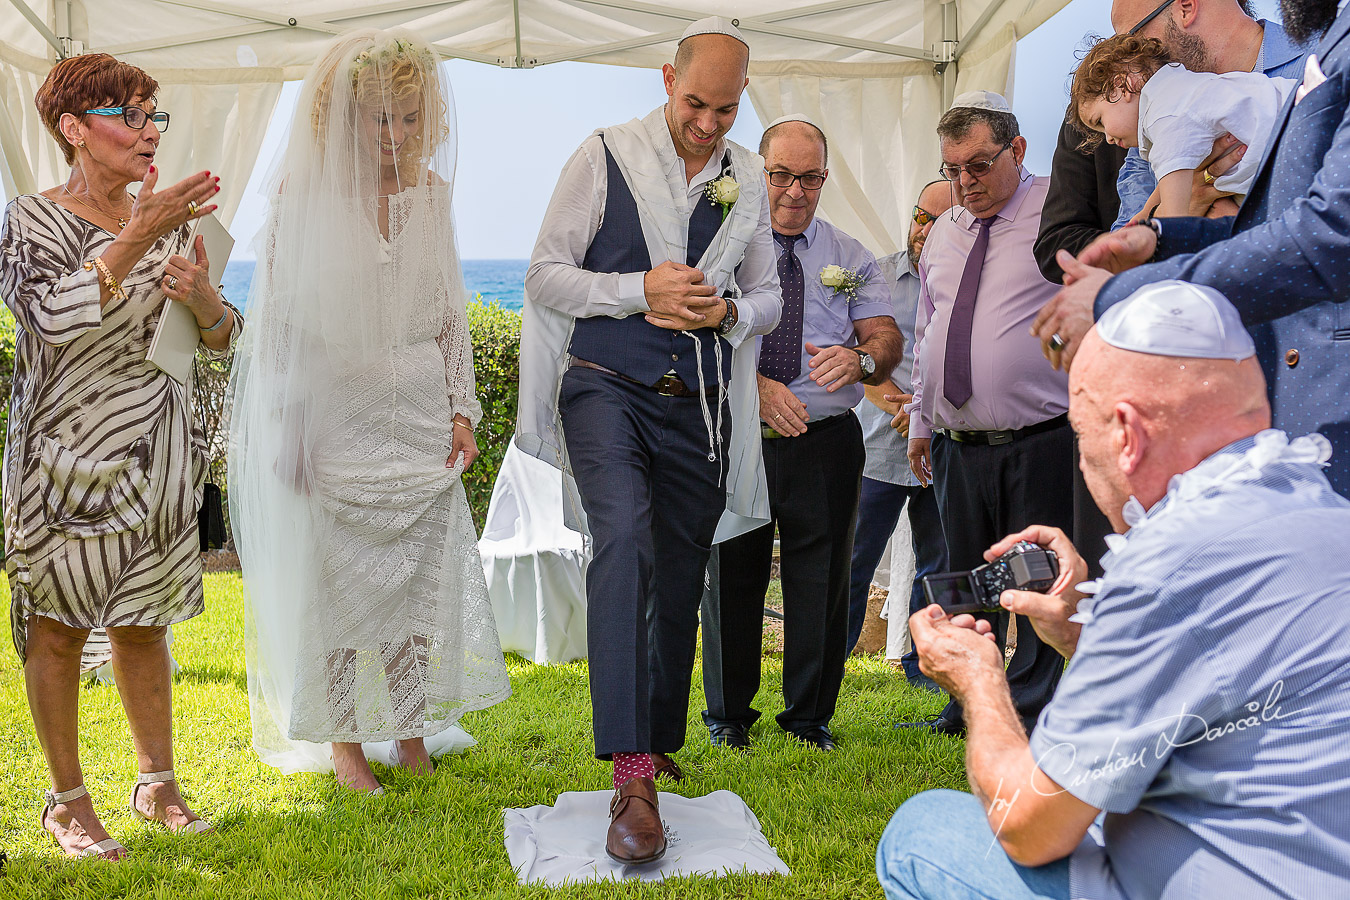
495, 332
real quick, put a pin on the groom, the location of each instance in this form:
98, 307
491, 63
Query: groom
653, 272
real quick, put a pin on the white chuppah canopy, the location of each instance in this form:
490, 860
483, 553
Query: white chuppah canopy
876, 74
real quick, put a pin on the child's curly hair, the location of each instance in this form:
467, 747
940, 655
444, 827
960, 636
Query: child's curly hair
1104, 73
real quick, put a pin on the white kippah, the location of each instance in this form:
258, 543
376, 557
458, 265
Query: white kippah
714, 25
982, 100
793, 117
1176, 318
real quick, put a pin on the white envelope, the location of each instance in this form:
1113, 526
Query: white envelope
176, 337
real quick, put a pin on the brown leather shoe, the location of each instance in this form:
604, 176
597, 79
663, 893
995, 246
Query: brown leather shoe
667, 767
636, 835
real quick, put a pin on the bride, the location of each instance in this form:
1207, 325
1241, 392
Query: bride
354, 403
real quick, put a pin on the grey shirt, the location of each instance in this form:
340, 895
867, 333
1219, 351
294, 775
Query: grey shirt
887, 451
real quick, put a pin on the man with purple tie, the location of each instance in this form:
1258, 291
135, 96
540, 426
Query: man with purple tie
989, 420
836, 331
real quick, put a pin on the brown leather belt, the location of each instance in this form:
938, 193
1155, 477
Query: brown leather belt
666, 386
1007, 436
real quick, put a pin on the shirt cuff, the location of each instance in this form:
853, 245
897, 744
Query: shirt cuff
633, 293
870, 310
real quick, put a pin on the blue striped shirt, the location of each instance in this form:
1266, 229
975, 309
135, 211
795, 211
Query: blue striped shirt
1207, 707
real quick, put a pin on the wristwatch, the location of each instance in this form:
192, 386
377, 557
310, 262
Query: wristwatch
729, 319
1157, 236
869, 365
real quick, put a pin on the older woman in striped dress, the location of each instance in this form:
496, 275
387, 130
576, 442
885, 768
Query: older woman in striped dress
104, 460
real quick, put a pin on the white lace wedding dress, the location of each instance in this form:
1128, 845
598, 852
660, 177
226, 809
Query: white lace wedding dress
367, 613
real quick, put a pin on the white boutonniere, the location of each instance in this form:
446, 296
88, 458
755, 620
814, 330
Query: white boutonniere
723, 192
846, 280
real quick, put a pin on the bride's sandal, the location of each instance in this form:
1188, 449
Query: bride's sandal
100, 849
195, 826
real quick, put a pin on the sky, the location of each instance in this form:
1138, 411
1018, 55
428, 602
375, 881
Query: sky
517, 127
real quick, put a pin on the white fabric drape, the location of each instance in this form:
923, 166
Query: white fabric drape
534, 564
879, 107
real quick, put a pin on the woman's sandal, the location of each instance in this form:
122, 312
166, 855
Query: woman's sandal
196, 826
53, 799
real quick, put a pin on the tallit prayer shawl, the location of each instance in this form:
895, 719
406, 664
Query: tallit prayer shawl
546, 332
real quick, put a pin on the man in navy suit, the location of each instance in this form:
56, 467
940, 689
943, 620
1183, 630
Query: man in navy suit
1283, 261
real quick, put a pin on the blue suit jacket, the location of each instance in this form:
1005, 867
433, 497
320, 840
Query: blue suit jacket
1284, 260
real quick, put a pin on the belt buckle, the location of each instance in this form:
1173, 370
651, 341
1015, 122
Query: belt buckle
668, 386
1000, 437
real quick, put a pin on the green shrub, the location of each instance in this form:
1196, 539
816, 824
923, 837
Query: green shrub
496, 361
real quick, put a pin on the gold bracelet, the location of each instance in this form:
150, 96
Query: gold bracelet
114, 288
461, 425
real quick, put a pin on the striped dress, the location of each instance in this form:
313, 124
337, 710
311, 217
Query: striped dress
104, 460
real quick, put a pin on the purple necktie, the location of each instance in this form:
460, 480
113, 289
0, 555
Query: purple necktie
780, 353
956, 368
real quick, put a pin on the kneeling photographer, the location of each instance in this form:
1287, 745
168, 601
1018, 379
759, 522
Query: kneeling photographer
1196, 743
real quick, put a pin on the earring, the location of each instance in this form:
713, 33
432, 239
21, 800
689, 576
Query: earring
80, 145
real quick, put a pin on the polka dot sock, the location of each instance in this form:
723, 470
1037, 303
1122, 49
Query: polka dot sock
632, 765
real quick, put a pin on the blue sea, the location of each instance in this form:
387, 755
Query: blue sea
491, 279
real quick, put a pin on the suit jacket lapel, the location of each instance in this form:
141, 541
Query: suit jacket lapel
1335, 34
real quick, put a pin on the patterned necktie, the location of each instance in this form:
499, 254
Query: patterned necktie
780, 354
956, 368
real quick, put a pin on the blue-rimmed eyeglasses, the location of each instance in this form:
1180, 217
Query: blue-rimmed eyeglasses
781, 178
1150, 17
977, 169
134, 116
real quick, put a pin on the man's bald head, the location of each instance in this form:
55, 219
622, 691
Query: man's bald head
720, 50
1142, 419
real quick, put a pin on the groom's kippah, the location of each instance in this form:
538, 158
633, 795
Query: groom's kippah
714, 25
1176, 318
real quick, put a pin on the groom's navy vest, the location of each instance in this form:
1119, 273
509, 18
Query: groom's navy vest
633, 346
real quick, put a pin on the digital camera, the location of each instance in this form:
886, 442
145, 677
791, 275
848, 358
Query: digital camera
1025, 567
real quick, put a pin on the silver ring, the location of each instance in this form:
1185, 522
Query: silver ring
1057, 343
173, 282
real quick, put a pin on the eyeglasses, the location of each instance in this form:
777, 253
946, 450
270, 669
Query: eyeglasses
922, 216
781, 178
1150, 17
977, 169
134, 116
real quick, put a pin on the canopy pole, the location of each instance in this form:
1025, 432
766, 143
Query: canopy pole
47, 34
948, 55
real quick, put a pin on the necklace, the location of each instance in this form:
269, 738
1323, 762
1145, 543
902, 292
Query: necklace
121, 222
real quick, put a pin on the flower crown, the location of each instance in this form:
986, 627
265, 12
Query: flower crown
390, 51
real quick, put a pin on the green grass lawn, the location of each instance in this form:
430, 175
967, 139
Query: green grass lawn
300, 836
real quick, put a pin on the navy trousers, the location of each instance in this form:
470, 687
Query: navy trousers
879, 508
813, 494
652, 500
984, 494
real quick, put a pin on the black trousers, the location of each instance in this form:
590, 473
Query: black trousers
814, 482
984, 494
652, 500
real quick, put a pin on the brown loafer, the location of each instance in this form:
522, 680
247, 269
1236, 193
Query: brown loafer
667, 767
636, 835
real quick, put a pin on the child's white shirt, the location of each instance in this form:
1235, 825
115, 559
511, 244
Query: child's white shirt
1181, 113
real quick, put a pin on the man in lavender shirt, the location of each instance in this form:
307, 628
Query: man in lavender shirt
989, 420
831, 337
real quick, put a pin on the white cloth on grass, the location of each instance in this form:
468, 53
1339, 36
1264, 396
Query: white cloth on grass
565, 843
534, 564
1181, 113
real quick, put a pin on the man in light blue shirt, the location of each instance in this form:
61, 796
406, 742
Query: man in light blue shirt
888, 485
836, 331
1208, 36
1196, 744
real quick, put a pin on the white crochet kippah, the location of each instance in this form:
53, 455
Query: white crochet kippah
793, 117
714, 25
1176, 318
982, 100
